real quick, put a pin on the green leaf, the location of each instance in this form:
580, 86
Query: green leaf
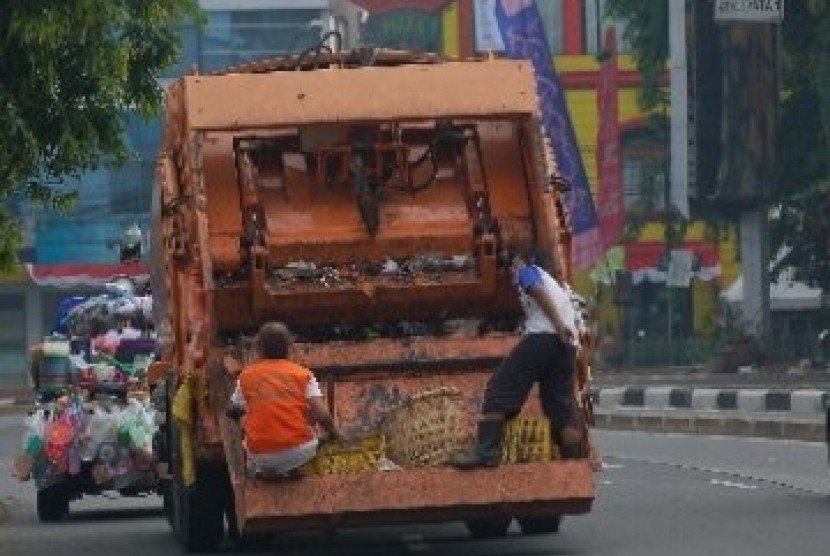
68, 71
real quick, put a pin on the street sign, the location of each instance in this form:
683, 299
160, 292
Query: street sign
749, 10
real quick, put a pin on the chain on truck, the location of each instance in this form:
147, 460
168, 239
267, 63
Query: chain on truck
366, 201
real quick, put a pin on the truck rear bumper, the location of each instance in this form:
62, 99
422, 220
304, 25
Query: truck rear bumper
414, 495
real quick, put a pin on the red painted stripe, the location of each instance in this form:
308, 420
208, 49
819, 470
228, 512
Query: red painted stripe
574, 27
590, 79
466, 33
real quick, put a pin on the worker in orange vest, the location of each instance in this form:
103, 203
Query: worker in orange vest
280, 403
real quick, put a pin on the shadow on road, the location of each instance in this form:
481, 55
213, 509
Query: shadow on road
76, 516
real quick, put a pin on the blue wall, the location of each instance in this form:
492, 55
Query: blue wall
111, 199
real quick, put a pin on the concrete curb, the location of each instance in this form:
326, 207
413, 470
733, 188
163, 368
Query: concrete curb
806, 402
764, 425
754, 412
10, 406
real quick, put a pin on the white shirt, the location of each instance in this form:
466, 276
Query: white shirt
536, 321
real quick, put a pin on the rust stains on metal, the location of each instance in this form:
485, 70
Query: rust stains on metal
390, 353
424, 494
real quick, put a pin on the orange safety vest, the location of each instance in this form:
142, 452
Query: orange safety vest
277, 417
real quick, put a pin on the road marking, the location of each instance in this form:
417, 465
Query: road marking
732, 484
611, 466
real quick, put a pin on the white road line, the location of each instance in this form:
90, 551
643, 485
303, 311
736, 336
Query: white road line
732, 484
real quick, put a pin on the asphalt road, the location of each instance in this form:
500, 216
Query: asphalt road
657, 495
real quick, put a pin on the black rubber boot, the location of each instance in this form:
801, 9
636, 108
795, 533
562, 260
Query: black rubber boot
572, 451
487, 450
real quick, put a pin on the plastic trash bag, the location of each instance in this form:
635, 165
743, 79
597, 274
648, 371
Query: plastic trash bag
59, 438
100, 429
33, 438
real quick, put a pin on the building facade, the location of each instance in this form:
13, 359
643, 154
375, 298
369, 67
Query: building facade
624, 162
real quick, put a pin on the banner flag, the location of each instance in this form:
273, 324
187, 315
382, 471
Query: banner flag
524, 38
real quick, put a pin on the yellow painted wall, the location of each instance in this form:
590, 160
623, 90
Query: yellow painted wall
583, 109
449, 30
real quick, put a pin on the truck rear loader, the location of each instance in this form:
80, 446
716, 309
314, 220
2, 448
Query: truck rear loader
370, 201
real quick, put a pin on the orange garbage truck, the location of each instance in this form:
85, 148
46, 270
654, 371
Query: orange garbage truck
370, 203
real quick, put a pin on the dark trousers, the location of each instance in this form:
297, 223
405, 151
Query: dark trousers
538, 358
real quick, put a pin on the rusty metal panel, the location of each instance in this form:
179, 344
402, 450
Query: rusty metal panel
428, 494
391, 352
359, 400
282, 99
361, 404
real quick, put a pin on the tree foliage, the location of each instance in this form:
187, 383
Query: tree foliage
69, 71
801, 195
646, 29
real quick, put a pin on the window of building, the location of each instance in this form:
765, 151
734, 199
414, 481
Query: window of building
190, 52
594, 20
236, 36
644, 159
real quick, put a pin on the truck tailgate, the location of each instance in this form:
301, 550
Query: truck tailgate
413, 495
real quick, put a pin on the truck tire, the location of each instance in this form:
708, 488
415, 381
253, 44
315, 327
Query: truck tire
168, 505
52, 503
539, 525
200, 516
197, 511
488, 528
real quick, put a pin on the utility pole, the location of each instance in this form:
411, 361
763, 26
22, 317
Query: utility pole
676, 191
751, 34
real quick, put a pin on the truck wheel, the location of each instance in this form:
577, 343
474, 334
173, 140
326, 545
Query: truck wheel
488, 528
200, 516
168, 505
52, 503
197, 511
539, 525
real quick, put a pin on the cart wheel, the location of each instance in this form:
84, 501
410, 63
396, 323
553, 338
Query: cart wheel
539, 525
52, 503
488, 528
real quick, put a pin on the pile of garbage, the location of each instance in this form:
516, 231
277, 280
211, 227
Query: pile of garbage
122, 302
433, 265
99, 344
107, 444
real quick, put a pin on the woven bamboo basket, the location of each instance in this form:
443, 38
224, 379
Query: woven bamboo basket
337, 458
425, 430
527, 439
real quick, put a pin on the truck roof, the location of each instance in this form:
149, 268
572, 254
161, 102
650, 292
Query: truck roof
456, 89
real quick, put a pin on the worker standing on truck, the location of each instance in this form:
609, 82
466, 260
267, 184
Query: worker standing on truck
546, 355
279, 402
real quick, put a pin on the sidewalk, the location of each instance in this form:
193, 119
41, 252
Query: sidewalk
15, 400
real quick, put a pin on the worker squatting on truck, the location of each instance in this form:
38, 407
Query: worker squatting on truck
372, 205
